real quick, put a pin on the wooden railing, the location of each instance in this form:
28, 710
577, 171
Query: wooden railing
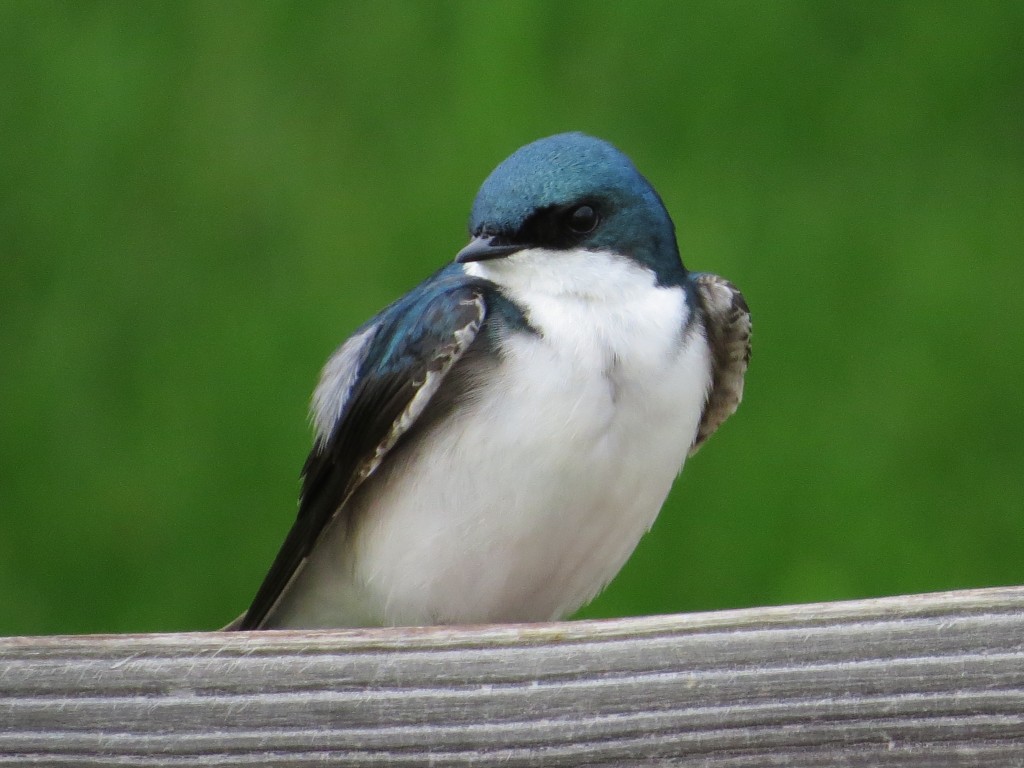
926, 680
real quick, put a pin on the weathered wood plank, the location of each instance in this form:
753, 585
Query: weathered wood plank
927, 680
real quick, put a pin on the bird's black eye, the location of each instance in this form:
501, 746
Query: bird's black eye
583, 219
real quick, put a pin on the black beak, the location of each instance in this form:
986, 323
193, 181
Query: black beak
485, 248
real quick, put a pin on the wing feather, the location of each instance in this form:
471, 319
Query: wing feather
372, 393
727, 324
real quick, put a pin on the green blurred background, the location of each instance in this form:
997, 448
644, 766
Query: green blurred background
199, 201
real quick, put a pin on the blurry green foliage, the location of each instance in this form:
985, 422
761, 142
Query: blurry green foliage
199, 201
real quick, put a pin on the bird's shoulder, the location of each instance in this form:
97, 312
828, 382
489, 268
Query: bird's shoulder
379, 383
403, 355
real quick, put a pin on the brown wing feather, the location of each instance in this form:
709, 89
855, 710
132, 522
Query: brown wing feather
727, 325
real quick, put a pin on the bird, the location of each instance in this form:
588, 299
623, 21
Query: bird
491, 447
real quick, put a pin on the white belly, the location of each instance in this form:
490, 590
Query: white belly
528, 500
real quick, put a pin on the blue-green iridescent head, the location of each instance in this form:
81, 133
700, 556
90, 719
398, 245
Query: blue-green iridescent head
573, 191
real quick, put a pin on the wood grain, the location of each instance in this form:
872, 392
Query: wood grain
925, 680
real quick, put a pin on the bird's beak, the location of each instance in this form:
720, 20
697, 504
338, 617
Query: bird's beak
485, 248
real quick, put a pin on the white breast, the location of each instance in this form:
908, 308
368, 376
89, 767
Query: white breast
529, 500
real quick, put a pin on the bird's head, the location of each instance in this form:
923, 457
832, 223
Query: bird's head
572, 192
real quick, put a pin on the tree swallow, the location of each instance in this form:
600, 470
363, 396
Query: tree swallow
492, 445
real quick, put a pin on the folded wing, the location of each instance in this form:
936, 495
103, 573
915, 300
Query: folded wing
373, 391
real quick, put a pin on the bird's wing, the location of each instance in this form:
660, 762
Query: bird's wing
727, 324
373, 391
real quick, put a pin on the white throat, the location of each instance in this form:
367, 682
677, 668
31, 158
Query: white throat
595, 301
579, 273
